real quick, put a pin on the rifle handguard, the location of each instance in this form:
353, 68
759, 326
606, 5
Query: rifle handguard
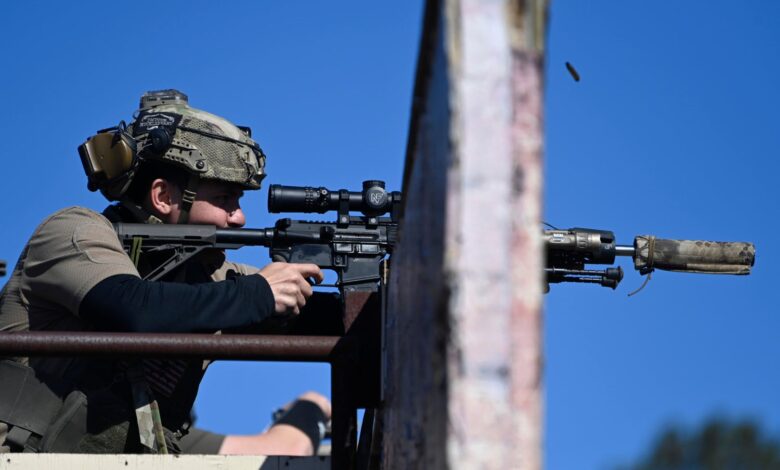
694, 256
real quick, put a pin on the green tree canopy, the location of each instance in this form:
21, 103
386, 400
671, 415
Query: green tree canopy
718, 445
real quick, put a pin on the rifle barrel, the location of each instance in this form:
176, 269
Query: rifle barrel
624, 250
246, 236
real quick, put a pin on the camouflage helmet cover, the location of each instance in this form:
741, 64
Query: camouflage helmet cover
200, 143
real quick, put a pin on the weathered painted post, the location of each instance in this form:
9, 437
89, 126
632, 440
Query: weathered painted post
462, 352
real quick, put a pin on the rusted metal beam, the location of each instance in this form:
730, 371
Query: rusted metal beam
169, 345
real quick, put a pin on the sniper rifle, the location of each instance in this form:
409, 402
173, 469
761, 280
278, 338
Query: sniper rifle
352, 246
355, 246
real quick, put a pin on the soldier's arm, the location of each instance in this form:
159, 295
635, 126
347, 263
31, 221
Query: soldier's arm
127, 303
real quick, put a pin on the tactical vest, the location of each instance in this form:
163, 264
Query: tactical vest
94, 411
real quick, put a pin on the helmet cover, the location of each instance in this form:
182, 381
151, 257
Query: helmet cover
201, 143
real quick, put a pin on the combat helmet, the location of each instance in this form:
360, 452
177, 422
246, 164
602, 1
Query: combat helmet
167, 129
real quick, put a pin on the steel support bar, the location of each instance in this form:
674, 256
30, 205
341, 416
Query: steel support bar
170, 345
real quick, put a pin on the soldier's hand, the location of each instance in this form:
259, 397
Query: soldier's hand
289, 284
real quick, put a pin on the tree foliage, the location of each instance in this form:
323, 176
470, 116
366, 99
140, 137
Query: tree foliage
718, 445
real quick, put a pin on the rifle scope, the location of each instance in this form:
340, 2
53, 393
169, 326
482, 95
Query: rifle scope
372, 201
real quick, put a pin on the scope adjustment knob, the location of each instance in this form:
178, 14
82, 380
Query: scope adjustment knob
375, 195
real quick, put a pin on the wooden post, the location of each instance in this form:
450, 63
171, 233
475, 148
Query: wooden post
462, 357
354, 373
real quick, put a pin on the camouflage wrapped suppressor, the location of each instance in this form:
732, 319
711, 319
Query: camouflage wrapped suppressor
570, 251
694, 256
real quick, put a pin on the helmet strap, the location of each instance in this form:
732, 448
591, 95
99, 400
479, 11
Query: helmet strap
188, 198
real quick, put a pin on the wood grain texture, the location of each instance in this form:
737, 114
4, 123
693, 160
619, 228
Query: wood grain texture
462, 358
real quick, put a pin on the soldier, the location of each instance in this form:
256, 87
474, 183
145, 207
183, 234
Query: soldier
172, 164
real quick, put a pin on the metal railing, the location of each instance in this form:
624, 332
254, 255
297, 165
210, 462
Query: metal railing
341, 352
170, 345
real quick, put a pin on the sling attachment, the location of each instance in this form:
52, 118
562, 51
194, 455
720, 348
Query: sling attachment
135, 250
648, 268
147, 410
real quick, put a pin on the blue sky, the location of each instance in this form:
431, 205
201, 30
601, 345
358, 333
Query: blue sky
672, 131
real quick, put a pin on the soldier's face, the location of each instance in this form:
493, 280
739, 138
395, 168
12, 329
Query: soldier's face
216, 204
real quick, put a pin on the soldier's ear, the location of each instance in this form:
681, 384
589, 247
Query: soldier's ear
164, 198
